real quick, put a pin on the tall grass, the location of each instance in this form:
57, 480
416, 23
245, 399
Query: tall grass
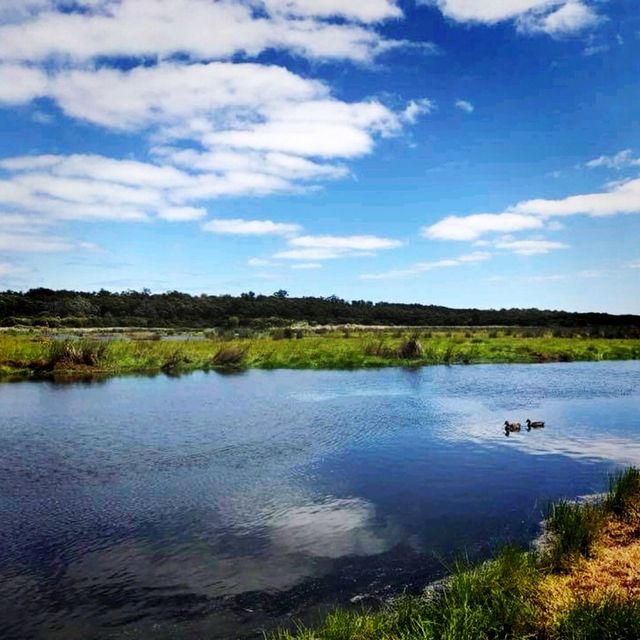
231, 356
328, 350
609, 619
72, 353
489, 602
574, 529
623, 499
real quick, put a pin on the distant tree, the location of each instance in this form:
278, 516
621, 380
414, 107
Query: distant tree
281, 294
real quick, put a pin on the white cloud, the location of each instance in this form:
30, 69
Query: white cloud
345, 243
200, 28
272, 163
571, 17
619, 160
369, 11
201, 98
182, 214
259, 262
529, 247
554, 17
327, 247
473, 226
20, 83
323, 128
423, 267
622, 198
307, 265
10, 269
32, 243
416, 108
465, 105
239, 226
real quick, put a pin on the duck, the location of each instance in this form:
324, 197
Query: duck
537, 424
510, 427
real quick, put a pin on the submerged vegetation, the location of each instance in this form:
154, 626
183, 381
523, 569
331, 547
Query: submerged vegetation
582, 584
38, 352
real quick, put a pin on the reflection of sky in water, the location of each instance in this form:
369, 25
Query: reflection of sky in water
138, 498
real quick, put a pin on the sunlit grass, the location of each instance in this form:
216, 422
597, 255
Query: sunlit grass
337, 349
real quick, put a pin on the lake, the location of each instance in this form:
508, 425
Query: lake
214, 506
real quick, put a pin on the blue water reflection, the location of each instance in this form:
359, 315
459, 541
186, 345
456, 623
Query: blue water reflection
217, 505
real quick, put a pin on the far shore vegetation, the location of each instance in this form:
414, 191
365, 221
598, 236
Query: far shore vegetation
41, 352
582, 582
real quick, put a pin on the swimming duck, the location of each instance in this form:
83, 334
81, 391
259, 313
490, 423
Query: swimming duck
538, 424
509, 427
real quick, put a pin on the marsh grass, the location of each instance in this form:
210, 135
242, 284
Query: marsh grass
575, 529
34, 351
610, 619
73, 353
623, 498
230, 356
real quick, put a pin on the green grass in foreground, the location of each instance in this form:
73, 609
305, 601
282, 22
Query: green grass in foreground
38, 353
500, 599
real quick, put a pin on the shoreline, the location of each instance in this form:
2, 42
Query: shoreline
43, 355
578, 580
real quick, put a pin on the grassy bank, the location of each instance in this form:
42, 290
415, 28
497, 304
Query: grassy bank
37, 353
583, 583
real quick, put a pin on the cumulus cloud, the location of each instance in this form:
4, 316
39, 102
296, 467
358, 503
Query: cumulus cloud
473, 226
423, 267
570, 17
622, 198
242, 129
554, 17
217, 123
162, 28
370, 11
465, 105
20, 83
239, 226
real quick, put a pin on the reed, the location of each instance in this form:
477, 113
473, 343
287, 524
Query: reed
623, 498
575, 528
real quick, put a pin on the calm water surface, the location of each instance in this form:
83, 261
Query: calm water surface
214, 506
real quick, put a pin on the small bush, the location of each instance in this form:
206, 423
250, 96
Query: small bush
411, 349
574, 530
71, 353
623, 499
229, 356
175, 360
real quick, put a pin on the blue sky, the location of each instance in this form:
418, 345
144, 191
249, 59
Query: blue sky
451, 152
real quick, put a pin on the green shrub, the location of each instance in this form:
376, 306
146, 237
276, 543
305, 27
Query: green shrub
229, 356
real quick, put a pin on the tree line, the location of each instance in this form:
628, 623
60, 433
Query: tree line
103, 308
